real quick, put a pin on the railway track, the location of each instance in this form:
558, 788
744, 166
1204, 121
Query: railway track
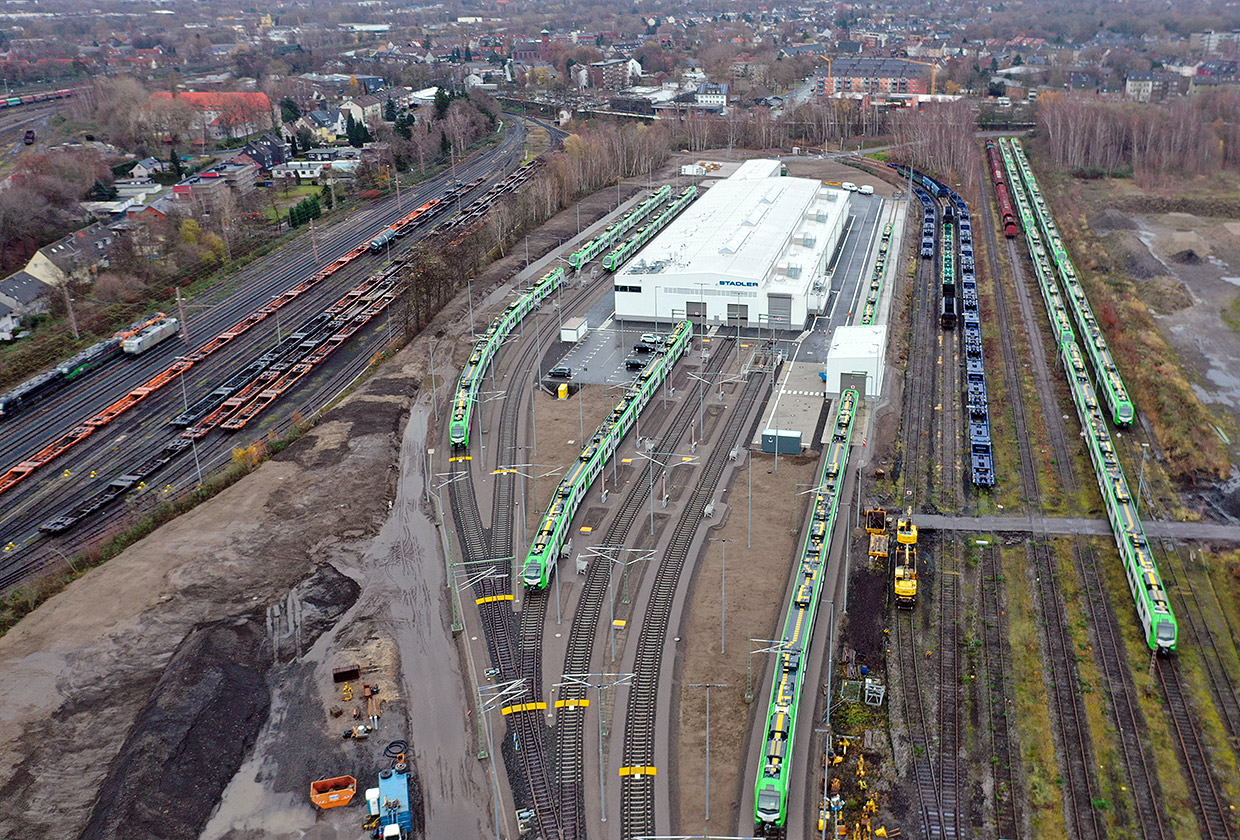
1004, 788
1080, 787
1112, 659
492, 587
637, 805
915, 461
1004, 793
570, 725
917, 717
950, 699
1109, 652
1213, 816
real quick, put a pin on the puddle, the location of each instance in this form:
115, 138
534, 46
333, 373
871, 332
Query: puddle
1147, 238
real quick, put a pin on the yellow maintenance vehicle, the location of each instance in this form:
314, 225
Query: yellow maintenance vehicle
904, 574
906, 531
876, 527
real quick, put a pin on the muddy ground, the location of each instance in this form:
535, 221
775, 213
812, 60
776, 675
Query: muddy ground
1187, 270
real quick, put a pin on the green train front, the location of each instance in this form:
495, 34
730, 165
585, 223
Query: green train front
484, 351
540, 560
775, 769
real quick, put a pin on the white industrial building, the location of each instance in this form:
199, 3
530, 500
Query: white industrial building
856, 352
753, 250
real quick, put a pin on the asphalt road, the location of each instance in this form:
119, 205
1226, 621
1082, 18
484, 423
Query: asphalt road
129, 440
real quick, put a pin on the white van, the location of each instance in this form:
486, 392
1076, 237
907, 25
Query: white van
849, 185
866, 189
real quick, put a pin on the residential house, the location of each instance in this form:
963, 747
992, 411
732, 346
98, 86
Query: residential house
21, 293
325, 125
10, 322
267, 151
874, 75
147, 167
1145, 86
77, 255
365, 110
333, 153
712, 95
614, 73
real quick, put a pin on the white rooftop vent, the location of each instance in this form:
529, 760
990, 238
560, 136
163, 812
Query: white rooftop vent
755, 216
735, 241
772, 193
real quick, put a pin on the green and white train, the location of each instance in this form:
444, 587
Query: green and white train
870, 312
637, 241
1158, 623
484, 351
545, 550
1118, 400
774, 774
608, 237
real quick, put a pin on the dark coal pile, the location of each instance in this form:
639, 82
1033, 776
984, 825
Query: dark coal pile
1186, 257
203, 717
1111, 219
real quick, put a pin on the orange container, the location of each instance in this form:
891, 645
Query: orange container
332, 793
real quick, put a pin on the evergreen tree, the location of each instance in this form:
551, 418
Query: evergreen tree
469, 56
292, 145
354, 132
389, 111
289, 112
445, 147
442, 100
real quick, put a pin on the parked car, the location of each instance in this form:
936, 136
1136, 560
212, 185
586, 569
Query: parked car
642, 347
849, 185
561, 372
866, 189
634, 363
652, 338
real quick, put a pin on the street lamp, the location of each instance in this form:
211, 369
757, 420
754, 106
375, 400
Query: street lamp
708, 687
667, 467
1136, 503
491, 697
599, 682
723, 641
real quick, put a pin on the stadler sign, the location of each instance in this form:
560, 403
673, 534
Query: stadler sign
746, 283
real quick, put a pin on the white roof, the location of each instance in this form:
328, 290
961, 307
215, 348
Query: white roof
757, 168
767, 232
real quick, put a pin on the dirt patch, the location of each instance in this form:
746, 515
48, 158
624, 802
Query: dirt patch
756, 579
1110, 219
1131, 255
1165, 295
